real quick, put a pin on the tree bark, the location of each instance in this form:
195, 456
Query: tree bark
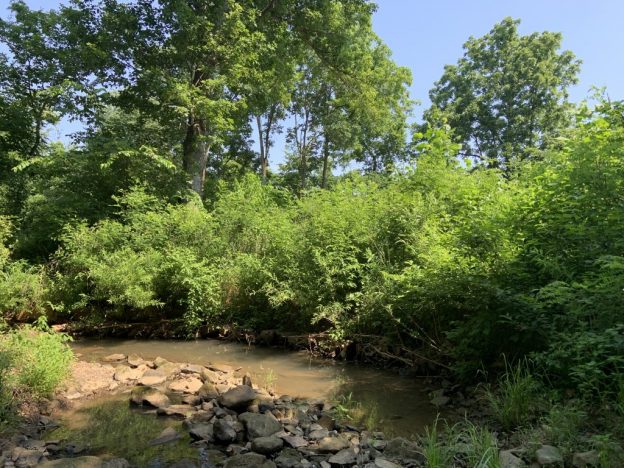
325, 162
263, 155
195, 153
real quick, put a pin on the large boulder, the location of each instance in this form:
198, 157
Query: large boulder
126, 373
259, 425
238, 397
202, 432
208, 392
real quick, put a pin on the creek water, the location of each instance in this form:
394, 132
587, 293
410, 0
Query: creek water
392, 403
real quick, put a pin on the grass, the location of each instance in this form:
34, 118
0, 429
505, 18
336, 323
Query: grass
515, 400
435, 451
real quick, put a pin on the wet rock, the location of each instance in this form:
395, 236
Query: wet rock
267, 445
79, 462
509, 460
126, 373
152, 377
259, 425
177, 411
400, 448
238, 397
332, 444
202, 432
149, 396
166, 436
584, 459
224, 431
249, 460
114, 357
344, 457
548, 455
186, 385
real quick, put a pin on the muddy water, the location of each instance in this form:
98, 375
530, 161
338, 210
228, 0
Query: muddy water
394, 404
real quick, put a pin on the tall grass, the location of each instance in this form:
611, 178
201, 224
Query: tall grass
515, 400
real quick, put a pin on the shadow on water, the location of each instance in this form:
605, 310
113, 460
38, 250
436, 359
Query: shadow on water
113, 428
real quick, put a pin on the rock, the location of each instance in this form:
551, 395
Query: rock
73, 396
78, 462
178, 411
247, 379
267, 445
26, 458
208, 392
295, 441
152, 377
402, 449
114, 357
224, 431
192, 400
440, 401
318, 434
116, 463
202, 432
209, 376
289, 458
125, 373
184, 463
327, 422
159, 361
249, 460
548, 455
135, 361
382, 463
509, 460
149, 396
344, 457
192, 369
259, 425
584, 459
186, 385
223, 368
166, 436
238, 397
332, 444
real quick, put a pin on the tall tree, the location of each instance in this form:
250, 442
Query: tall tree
506, 95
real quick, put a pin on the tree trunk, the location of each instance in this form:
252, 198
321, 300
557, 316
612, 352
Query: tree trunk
325, 163
196, 151
263, 150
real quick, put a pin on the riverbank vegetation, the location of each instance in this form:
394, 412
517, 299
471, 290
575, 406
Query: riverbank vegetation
485, 238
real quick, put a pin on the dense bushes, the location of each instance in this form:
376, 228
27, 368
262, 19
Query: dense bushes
460, 262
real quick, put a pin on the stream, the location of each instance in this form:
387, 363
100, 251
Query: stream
398, 405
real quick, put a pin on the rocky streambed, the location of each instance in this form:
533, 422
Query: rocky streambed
209, 415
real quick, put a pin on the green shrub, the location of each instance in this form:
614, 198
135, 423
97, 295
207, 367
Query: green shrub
38, 359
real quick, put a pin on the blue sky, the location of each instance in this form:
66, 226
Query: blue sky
426, 35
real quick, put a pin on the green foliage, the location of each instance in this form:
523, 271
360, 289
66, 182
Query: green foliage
507, 95
515, 401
